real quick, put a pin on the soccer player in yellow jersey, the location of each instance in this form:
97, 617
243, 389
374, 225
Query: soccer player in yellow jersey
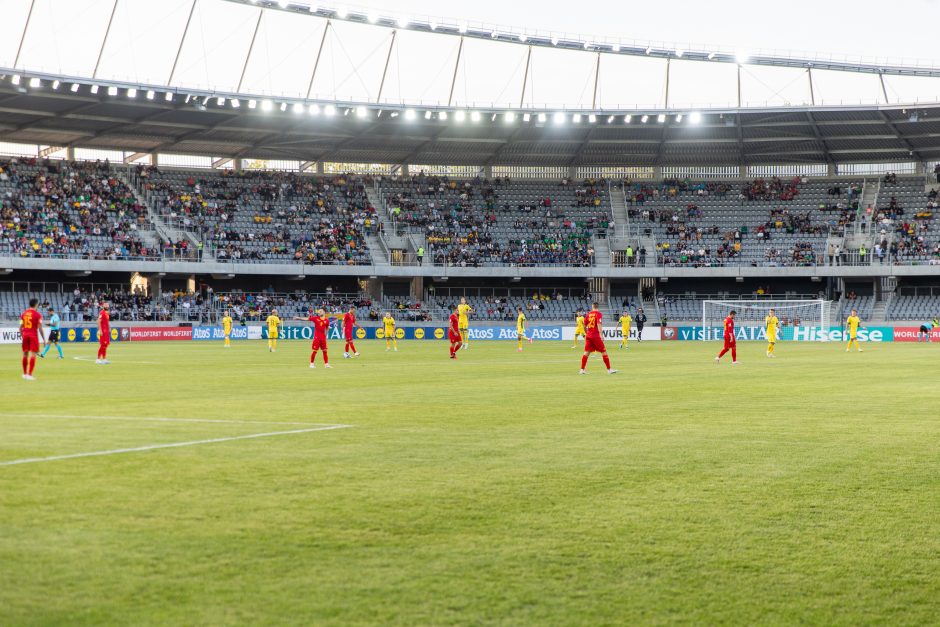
578, 328
771, 322
851, 326
390, 339
463, 322
520, 328
227, 328
625, 321
274, 325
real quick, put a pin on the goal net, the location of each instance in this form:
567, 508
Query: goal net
752, 313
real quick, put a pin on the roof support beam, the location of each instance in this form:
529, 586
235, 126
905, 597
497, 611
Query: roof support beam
19, 48
453, 80
104, 42
135, 156
251, 46
812, 92
388, 58
525, 76
316, 63
179, 50
597, 75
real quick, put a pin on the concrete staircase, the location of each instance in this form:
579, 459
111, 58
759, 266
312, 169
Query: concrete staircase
163, 230
392, 239
380, 254
619, 209
878, 313
601, 252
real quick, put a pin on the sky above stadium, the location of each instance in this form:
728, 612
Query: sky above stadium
64, 37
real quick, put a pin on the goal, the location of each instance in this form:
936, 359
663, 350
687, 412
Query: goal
751, 313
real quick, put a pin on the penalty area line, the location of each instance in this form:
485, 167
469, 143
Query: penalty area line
154, 447
148, 363
158, 419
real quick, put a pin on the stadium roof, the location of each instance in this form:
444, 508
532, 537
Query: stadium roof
261, 78
203, 124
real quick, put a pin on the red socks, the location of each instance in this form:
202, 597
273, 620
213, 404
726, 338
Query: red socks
25, 364
313, 356
102, 352
32, 364
326, 358
607, 361
734, 353
584, 361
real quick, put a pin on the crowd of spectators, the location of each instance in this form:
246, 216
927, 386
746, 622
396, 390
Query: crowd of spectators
466, 223
261, 215
78, 210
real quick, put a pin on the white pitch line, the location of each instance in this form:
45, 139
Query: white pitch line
154, 447
156, 419
149, 363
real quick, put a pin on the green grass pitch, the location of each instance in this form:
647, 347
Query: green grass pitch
502, 488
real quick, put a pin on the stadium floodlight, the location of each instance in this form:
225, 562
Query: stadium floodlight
680, 52
267, 105
362, 112
494, 35
55, 84
346, 111
542, 118
252, 104
403, 22
131, 92
74, 88
220, 101
297, 108
94, 89
526, 117
283, 106
742, 56
427, 115
313, 109
169, 96
460, 116
235, 103
661, 118
35, 83
112, 91
679, 118
442, 115
523, 37
711, 56
373, 18
649, 50
559, 117
341, 13
475, 116
432, 25
329, 110
462, 28
282, 3
393, 114
554, 41
15, 79
411, 114
151, 94
592, 118
576, 118
645, 119
615, 47
695, 117
509, 117
610, 119
587, 45
627, 118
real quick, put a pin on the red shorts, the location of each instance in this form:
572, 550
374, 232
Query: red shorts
454, 337
594, 345
104, 340
31, 344
318, 344
348, 335
730, 342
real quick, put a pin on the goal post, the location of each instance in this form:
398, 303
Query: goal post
752, 313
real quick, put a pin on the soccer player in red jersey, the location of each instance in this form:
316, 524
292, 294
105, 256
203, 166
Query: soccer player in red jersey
104, 333
349, 321
730, 342
30, 330
321, 325
453, 334
593, 342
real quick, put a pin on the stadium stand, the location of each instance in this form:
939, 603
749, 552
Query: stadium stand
904, 219
764, 222
481, 223
70, 210
266, 217
919, 307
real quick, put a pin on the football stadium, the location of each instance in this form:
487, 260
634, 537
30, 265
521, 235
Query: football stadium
487, 313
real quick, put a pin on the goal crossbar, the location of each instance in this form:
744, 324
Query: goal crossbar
803, 312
